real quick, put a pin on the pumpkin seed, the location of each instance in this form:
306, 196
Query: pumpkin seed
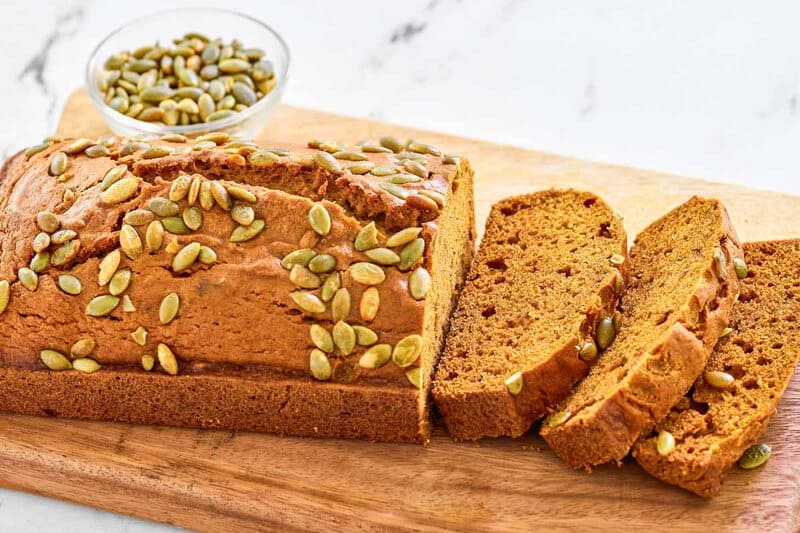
148, 362
246, 233
340, 305
154, 237
328, 162
55, 360
372, 148
349, 156
127, 304
113, 175
186, 257
321, 338
219, 115
65, 253
322, 264
361, 168
415, 168
556, 419
108, 267
319, 219
436, 196
720, 264
5, 295
152, 114
58, 164
394, 190
419, 283
85, 365
367, 238
163, 207
755, 456
367, 273
207, 256
514, 383
391, 143
365, 336
175, 225
344, 337
330, 148
719, 379
35, 149
193, 218
329, 287
138, 217
180, 188
740, 267
167, 359
307, 301
407, 350
120, 281
47, 222
28, 278
419, 158
451, 160
102, 305
83, 348
173, 247
139, 336
424, 149
70, 284
300, 257
665, 443
319, 365
242, 194
384, 171
40, 262
414, 377
376, 356
170, 306
588, 352
605, 333
221, 196
218, 137
132, 148
77, 146
411, 253
62, 236
119, 192
194, 191
370, 303
383, 256
423, 203
304, 278
97, 150
263, 158
130, 242
403, 237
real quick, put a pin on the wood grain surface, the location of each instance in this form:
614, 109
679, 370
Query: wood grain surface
219, 481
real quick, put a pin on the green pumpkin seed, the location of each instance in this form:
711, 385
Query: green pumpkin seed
243, 214
349, 156
319, 219
755, 456
193, 218
319, 365
233, 66
220, 115
340, 305
58, 164
330, 148
152, 114
180, 188
186, 257
127, 304
108, 267
175, 225
367, 238
97, 150
55, 360
719, 379
65, 253
194, 190
361, 168
415, 168
424, 149
221, 196
307, 301
451, 160
41, 242
167, 360
370, 303
70, 284
148, 362
139, 217
514, 383
605, 333
665, 443
407, 350
304, 278
242, 194
367, 273
372, 148
328, 162
300, 257
365, 336
130, 242
394, 190
329, 287
411, 253
246, 233
177, 137
344, 337
102, 305
244, 94
62, 236
119, 192
391, 143
83, 348
47, 222
556, 419
419, 283
383, 256
5, 295
321, 338
588, 352
263, 158
322, 264
155, 152
384, 171
40, 262
156, 94
120, 281
740, 267
35, 149
720, 264
86, 365
139, 336
419, 158
218, 137
163, 207
77, 146
170, 306
207, 256
414, 377
376, 356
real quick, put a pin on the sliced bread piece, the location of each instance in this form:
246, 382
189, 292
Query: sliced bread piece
551, 266
681, 291
712, 427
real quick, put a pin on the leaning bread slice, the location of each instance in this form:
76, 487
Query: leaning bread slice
550, 267
681, 291
707, 432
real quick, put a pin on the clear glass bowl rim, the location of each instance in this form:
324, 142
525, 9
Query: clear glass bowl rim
160, 129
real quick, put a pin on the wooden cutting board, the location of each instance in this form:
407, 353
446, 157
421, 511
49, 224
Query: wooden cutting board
220, 481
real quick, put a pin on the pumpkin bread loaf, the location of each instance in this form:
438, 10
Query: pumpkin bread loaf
218, 284
731, 404
544, 284
681, 291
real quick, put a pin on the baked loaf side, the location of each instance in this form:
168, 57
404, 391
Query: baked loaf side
682, 288
216, 283
713, 426
548, 273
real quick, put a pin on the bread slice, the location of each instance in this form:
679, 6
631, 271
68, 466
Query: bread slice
712, 427
550, 266
677, 303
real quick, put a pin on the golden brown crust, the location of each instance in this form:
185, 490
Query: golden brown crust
648, 369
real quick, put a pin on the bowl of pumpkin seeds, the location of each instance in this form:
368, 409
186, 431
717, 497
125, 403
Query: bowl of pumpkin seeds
189, 72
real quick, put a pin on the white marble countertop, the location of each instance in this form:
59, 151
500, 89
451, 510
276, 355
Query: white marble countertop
708, 89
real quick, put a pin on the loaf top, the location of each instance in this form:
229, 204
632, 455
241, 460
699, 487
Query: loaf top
247, 220
713, 425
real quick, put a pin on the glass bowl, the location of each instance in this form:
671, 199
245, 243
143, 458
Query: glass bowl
164, 27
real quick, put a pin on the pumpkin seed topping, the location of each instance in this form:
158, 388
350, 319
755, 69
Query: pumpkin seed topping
246, 233
83, 348
322, 264
242, 194
108, 267
344, 337
186, 257
70, 284
367, 273
167, 359
319, 365
665, 443
373, 148
414, 376
424, 149
40, 262
394, 190
514, 383
58, 164
383, 256
102, 305
139, 217
47, 222
321, 338
86, 365
163, 207
415, 168
349, 156
451, 160
319, 219
65, 253
304, 278
360, 168
154, 237
340, 305
436, 196
221, 196
174, 246
35, 149
328, 162
384, 171
97, 150
130, 242
207, 256
243, 214
403, 237
419, 283
194, 191
120, 281
28, 278
55, 360
127, 304
719, 379
263, 158
740, 266
391, 143
605, 333
175, 225
407, 350
307, 301
113, 175
367, 238
139, 336
329, 287
41, 242
411, 253
155, 152
121, 191
148, 362
755, 456
365, 336
588, 352
556, 419
370, 303
170, 306
300, 257
376, 356
192, 217
5, 295
180, 188
402, 179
